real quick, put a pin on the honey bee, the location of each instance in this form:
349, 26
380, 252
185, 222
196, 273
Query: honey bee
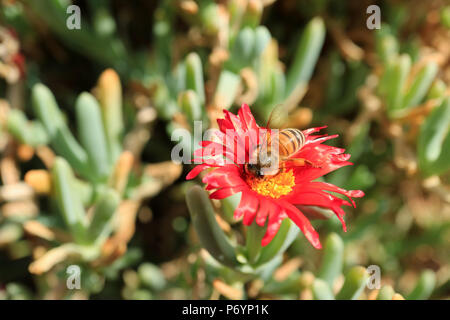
288, 141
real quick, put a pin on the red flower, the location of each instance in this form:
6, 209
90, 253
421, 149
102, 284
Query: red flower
271, 197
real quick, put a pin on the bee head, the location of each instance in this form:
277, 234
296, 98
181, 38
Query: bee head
254, 169
259, 171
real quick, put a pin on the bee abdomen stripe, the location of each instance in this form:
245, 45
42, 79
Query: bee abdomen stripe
286, 141
301, 138
292, 138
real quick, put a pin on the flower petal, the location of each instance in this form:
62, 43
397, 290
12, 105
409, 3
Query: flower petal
325, 200
303, 223
265, 208
310, 131
239, 127
225, 192
216, 161
272, 229
247, 208
333, 188
194, 172
247, 118
227, 176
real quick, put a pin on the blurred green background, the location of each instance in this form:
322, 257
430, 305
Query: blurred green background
86, 176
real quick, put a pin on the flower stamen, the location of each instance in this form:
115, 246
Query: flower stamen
272, 186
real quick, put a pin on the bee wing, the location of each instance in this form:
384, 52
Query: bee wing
278, 117
263, 145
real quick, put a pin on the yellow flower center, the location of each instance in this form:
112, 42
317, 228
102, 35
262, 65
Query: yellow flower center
272, 186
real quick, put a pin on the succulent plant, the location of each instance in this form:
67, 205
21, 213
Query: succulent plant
87, 180
95, 187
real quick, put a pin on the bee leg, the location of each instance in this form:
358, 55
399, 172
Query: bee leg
302, 162
312, 164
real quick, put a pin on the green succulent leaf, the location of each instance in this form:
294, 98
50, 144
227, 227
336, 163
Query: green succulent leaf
28, 132
68, 200
282, 240
262, 39
395, 82
227, 88
151, 276
420, 85
354, 283
91, 134
321, 290
306, 56
61, 139
209, 232
332, 260
242, 50
104, 210
386, 293
194, 76
434, 141
424, 287
254, 236
190, 105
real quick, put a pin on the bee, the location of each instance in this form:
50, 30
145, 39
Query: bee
289, 142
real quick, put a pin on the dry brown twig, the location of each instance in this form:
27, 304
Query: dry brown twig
227, 290
348, 49
283, 272
161, 175
248, 91
53, 257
